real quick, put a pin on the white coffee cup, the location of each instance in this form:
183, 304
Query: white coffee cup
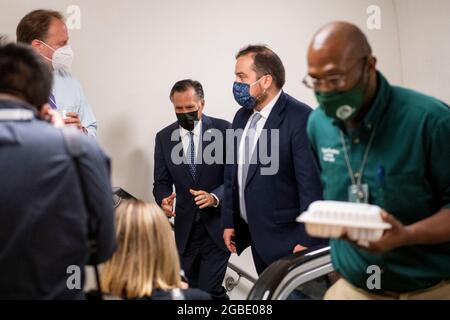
62, 113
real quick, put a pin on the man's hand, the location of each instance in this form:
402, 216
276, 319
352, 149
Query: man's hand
184, 285
227, 235
203, 199
73, 119
54, 118
167, 205
398, 236
299, 248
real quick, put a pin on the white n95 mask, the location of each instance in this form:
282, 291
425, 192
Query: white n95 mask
62, 57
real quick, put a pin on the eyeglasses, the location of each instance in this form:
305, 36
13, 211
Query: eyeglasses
334, 82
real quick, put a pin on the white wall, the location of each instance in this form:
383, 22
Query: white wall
424, 32
129, 54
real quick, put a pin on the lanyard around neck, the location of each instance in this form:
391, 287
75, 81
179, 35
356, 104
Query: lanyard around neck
364, 161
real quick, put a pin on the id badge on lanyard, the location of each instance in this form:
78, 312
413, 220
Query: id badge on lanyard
358, 193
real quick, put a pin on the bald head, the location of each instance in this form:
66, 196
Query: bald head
338, 48
342, 39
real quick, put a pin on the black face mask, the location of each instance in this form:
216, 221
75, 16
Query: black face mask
187, 120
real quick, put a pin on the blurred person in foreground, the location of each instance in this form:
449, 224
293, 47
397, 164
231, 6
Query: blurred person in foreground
53, 206
145, 265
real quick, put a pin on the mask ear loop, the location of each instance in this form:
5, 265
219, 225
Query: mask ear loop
47, 45
368, 78
48, 59
362, 75
363, 88
265, 90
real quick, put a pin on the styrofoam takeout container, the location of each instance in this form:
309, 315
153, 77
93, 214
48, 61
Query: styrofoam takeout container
332, 219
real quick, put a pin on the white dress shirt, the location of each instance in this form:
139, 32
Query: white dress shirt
185, 140
184, 134
265, 112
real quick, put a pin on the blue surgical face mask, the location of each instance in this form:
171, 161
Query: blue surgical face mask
241, 92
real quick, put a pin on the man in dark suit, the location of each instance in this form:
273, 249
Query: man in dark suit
190, 155
259, 206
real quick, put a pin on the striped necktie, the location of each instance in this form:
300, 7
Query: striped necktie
191, 155
52, 101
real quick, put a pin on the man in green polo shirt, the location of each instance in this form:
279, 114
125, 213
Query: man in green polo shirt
388, 146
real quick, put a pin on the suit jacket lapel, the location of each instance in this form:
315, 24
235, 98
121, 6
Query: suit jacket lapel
206, 125
183, 167
273, 122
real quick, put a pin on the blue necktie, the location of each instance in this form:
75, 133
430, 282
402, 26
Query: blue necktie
191, 155
52, 101
192, 166
248, 153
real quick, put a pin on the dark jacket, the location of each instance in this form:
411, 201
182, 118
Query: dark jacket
209, 178
186, 294
274, 201
43, 216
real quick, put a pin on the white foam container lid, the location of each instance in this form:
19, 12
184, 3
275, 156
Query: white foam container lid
332, 219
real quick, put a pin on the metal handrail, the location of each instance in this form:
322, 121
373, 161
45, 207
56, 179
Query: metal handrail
242, 273
286, 274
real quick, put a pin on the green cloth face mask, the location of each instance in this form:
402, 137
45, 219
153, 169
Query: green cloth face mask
342, 105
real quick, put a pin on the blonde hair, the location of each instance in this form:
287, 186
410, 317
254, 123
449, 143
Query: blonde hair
146, 257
